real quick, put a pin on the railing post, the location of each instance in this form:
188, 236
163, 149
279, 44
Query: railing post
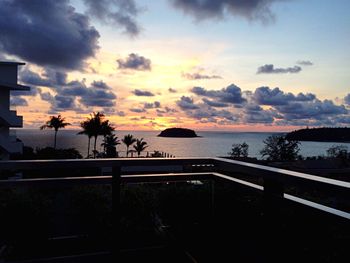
116, 172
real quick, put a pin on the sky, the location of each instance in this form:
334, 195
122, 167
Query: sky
255, 65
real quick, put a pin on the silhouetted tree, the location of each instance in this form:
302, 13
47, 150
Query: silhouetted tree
338, 151
109, 143
140, 146
128, 140
106, 130
239, 150
55, 123
88, 131
95, 126
278, 148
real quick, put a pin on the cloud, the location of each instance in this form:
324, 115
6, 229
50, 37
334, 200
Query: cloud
64, 102
47, 33
134, 62
151, 105
347, 99
209, 9
198, 76
316, 109
267, 96
186, 103
75, 94
214, 103
137, 110
18, 101
253, 113
231, 94
304, 62
270, 69
171, 90
138, 92
208, 114
120, 113
263, 106
116, 12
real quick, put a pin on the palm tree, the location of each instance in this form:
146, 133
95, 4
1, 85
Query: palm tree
87, 130
140, 146
55, 123
95, 126
109, 143
128, 141
106, 130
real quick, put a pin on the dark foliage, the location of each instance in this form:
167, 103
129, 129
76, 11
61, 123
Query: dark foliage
47, 153
239, 150
178, 132
320, 135
278, 148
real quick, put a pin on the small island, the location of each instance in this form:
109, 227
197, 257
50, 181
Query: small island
178, 133
320, 135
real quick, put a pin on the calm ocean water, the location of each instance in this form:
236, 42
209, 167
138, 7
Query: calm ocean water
210, 144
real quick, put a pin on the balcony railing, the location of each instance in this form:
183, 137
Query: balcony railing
280, 190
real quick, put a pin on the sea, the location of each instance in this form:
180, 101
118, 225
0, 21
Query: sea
209, 144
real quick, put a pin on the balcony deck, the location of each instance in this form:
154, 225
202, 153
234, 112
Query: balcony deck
174, 210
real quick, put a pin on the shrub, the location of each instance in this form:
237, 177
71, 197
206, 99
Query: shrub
239, 150
278, 148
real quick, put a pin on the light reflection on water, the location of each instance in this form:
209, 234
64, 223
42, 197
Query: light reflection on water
210, 144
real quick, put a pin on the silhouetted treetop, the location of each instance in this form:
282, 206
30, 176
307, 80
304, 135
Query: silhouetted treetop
178, 132
321, 135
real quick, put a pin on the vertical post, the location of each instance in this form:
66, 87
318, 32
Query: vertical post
116, 172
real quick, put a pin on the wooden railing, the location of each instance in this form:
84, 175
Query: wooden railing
274, 180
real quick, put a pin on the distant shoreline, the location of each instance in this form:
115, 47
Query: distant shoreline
336, 135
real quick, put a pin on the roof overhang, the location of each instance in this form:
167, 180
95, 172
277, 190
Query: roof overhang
12, 86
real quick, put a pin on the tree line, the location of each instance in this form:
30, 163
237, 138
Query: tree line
94, 126
281, 148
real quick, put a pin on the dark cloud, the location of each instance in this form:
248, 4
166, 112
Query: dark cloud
18, 101
51, 78
134, 62
31, 78
151, 105
264, 106
100, 85
138, 92
304, 62
47, 33
267, 96
253, 113
215, 103
64, 102
171, 90
198, 76
270, 69
315, 109
137, 110
208, 9
347, 99
115, 12
231, 94
186, 103
46, 96
75, 94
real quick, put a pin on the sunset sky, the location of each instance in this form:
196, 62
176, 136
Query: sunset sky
255, 65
